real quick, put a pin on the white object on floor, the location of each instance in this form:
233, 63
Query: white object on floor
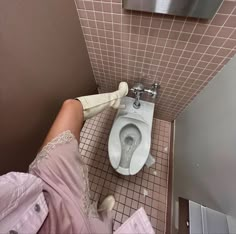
166, 149
130, 137
136, 224
107, 204
154, 172
94, 104
150, 161
145, 192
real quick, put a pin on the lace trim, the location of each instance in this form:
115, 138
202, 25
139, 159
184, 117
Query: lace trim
93, 211
63, 138
89, 208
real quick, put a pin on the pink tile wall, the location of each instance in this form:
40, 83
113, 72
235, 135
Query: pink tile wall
182, 54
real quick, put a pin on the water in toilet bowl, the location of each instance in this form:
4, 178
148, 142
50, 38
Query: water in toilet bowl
130, 138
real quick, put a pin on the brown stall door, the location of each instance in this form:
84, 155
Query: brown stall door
43, 61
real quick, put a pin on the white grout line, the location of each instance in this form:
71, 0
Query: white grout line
198, 90
115, 74
173, 55
82, 28
176, 42
155, 46
109, 71
113, 46
145, 50
138, 42
131, 13
160, 59
208, 62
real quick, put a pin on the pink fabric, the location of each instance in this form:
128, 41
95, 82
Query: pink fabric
137, 223
23, 208
66, 189
54, 198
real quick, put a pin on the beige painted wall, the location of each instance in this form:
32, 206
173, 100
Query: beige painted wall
43, 61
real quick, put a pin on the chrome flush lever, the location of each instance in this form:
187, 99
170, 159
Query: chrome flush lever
138, 89
153, 90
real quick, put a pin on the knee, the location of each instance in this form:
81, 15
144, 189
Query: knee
70, 104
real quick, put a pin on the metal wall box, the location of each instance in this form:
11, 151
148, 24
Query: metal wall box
192, 8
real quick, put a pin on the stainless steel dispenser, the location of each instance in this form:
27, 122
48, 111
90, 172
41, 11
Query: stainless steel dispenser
192, 8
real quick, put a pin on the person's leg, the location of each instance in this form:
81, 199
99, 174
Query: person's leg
74, 112
94, 104
70, 117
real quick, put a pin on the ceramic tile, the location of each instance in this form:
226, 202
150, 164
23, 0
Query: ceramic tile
143, 47
128, 190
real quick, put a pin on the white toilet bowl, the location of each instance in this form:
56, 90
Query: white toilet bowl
130, 137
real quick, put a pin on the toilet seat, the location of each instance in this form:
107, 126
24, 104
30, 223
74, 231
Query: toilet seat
140, 154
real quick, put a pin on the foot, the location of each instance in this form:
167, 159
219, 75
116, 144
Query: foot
122, 91
107, 204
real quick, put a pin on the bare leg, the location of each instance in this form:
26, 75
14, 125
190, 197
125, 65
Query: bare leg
70, 117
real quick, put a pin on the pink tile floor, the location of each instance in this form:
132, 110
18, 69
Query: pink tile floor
146, 189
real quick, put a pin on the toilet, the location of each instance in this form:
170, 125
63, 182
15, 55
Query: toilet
130, 137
